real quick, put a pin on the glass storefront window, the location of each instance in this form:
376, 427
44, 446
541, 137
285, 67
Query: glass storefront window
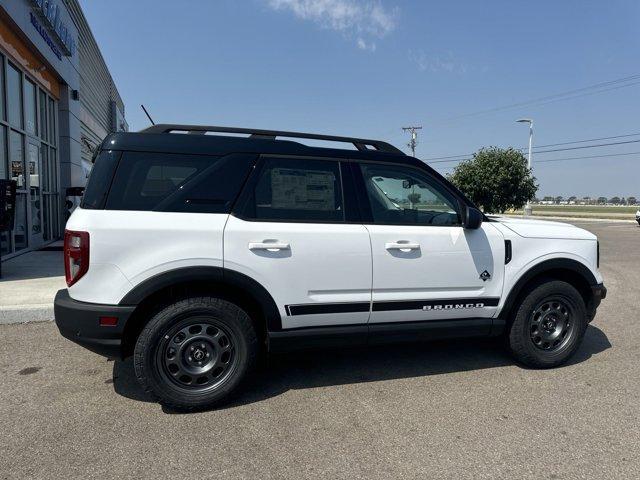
1, 87
4, 170
16, 159
14, 96
21, 232
53, 172
28, 155
30, 107
33, 162
43, 116
51, 110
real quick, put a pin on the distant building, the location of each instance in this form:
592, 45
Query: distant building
57, 102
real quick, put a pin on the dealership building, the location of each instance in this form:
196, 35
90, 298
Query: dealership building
57, 102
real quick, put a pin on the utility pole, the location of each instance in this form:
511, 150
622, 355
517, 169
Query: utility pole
414, 138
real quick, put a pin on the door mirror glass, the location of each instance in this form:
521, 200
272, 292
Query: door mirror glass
472, 218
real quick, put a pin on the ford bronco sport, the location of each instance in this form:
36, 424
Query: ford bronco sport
195, 253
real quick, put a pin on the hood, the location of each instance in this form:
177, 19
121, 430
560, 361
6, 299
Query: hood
531, 228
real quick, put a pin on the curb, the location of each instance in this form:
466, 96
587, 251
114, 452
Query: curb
26, 314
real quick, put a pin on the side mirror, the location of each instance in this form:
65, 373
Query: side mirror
472, 218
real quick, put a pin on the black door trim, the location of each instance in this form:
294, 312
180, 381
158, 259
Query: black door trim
445, 304
394, 305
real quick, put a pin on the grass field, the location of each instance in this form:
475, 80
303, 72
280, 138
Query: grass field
583, 211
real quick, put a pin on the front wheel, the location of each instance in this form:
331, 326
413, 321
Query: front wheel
549, 325
195, 353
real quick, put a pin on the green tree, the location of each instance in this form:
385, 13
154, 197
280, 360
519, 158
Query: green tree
632, 200
414, 198
496, 179
602, 200
615, 200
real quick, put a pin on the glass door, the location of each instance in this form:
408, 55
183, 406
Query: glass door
34, 174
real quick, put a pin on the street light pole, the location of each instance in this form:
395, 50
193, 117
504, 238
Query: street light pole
527, 207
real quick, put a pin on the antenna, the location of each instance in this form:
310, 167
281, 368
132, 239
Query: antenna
148, 116
414, 138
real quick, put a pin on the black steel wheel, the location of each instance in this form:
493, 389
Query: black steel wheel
196, 353
548, 325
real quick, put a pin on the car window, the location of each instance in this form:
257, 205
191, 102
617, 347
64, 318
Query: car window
297, 190
175, 182
401, 195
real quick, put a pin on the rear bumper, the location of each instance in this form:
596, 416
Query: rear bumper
80, 323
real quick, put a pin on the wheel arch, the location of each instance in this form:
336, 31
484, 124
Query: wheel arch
566, 269
158, 291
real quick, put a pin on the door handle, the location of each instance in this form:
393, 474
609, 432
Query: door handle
270, 246
402, 245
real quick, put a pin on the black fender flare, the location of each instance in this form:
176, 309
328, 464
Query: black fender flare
553, 264
218, 275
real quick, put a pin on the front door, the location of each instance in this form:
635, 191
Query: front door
291, 233
34, 176
426, 266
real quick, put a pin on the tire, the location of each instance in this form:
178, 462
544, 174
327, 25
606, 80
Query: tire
196, 353
549, 325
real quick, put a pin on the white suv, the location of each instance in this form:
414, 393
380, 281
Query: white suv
197, 252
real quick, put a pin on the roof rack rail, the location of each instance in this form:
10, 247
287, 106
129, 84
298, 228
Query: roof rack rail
359, 143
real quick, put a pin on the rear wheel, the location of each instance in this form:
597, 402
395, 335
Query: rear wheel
195, 353
549, 325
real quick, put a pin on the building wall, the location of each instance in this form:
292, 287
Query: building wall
51, 44
99, 97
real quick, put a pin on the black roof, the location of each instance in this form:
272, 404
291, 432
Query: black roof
193, 139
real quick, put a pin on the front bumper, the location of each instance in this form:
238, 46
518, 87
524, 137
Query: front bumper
599, 292
80, 323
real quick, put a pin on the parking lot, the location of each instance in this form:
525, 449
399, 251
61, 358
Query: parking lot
460, 409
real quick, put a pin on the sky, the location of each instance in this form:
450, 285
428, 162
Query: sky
367, 68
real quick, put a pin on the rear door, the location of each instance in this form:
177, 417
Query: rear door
426, 266
295, 230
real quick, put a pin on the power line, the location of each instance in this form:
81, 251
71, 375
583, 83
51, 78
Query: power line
547, 151
587, 146
553, 160
544, 146
556, 97
587, 156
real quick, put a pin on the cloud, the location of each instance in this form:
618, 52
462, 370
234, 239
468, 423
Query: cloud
362, 20
363, 45
436, 63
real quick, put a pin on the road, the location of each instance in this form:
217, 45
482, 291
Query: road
446, 410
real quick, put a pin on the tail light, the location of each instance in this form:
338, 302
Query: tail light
76, 255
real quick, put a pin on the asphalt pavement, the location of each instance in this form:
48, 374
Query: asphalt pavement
460, 409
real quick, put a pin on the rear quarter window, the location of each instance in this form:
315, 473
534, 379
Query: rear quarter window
167, 182
95, 193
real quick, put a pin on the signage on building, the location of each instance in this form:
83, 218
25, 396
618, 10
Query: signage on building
49, 12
